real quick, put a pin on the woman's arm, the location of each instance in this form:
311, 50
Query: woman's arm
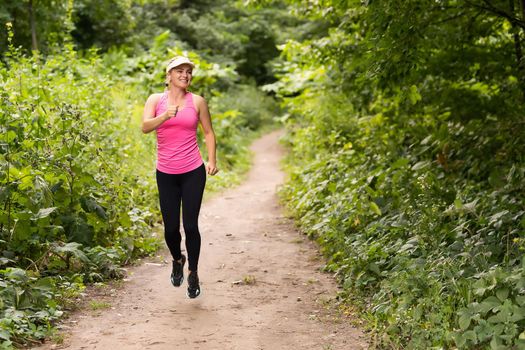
209, 134
149, 122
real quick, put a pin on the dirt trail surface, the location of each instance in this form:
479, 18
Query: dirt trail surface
261, 284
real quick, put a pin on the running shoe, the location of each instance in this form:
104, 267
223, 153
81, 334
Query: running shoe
177, 273
194, 290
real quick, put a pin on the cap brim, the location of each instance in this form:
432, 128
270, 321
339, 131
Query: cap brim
176, 64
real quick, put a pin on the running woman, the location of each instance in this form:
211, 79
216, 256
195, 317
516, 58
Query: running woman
181, 172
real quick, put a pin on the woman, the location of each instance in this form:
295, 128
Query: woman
181, 173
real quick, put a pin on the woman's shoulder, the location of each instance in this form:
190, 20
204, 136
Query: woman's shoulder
155, 97
197, 99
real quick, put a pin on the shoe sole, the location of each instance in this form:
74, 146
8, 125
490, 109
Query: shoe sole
175, 284
188, 295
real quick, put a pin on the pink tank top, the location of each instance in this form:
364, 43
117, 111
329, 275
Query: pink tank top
177, 148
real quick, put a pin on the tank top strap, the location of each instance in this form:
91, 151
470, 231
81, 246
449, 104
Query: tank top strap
189, 100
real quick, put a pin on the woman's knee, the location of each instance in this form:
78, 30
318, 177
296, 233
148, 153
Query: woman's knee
191, 229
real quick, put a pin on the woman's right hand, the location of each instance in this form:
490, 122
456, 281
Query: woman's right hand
171, 111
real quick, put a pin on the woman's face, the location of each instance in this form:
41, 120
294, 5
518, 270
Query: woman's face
180, 76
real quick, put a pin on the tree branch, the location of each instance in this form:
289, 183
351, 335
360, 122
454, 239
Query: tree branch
489, 7
451, 18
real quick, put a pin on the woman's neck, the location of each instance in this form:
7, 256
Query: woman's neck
176, 93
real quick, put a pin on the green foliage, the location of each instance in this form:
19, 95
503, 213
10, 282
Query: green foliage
230, 33
59, 175
27, 305
51, 23
222, 31
76, 186
90, 23
405, 131
72, 203
79, 199
102, 23
254, 108
238, 114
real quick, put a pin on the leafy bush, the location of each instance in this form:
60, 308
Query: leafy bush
76, 180
27, 304
77, 173
409, 170
254, 108
65, 178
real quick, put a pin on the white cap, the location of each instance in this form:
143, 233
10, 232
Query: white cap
177, 61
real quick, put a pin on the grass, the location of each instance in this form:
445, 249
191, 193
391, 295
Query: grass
249, 280
57, 338
99, 305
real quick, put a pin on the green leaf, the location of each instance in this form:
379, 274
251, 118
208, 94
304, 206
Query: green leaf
78, 230
520, 299
90, 205
498, 329
460, 339
16, 274
470, 206
375, 208
484, 330
464, 320
374, 268
518, 314
10, 136
471, 335
500, 317
72, 248
497, 344
499, 215
5, 261
502, 294
488, 304
414, 95
401, 162
421, 165
4, 334
42, 213
46, 283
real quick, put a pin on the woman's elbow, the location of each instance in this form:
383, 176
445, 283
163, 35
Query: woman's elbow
145, 130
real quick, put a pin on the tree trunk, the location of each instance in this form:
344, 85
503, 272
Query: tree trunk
517, 48
34, 42
522, 18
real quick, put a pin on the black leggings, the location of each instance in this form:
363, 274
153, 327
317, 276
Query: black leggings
187, 189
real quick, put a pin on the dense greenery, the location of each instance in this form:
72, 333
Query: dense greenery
230, 34
405, 128
406, 133
76, 186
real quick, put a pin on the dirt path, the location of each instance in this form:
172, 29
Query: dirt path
261, 284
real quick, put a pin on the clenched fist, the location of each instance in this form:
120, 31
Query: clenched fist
172, 111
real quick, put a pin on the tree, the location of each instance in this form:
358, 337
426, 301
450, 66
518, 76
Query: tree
36, 23
102, 23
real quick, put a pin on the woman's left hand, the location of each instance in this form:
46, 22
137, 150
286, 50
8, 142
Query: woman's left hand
211, 168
